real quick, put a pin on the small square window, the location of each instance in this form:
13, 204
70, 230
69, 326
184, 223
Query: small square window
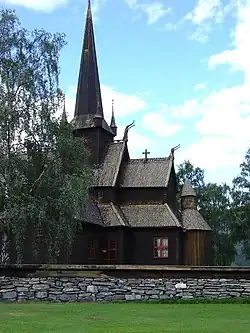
160, 247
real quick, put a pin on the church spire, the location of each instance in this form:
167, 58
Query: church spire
64, 118
113, 123
88, 99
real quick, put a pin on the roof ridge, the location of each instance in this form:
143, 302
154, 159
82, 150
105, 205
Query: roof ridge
118, 164
171, 158
149, 159
115, 210
177, 222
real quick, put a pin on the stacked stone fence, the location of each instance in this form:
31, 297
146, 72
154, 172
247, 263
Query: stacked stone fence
112, 283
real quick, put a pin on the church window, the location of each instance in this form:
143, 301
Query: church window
91, 249
110, 253
160, 247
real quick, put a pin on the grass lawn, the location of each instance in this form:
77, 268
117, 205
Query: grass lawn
124, 317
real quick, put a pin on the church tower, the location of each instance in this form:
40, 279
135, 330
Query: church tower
89, 122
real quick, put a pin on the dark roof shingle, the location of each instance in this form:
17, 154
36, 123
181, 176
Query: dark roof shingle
146, 216
107, 173
187, 189
193, 220
111, 215
154, 172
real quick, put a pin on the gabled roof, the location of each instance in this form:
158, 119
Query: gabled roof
146, 216
92, 213
154, 172
187, 189
112, 216
107, 172
193, 220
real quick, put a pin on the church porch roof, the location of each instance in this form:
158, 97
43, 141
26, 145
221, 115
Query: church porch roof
150, 216
193, 220
112, 215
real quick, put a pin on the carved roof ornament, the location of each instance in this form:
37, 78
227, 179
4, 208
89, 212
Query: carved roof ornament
125, 135
174, 149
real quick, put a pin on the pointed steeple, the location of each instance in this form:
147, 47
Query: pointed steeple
88, 99
64, 119
113, 123
187, 189
188, 196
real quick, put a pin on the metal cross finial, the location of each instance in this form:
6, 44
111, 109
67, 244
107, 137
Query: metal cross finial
146, 153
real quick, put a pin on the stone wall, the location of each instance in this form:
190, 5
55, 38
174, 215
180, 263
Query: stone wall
63, 289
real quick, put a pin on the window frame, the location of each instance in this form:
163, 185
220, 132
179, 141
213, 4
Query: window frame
160, 247
110, 249
92, 247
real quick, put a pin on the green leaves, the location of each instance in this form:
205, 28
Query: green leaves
44, 171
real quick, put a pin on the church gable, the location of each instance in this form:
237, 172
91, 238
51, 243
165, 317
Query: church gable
153, 172
106, 174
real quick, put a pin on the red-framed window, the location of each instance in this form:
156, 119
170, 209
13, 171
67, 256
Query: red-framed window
110, 250
92, 244
160, 247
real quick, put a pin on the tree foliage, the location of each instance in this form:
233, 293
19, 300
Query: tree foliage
44, 172
241, 203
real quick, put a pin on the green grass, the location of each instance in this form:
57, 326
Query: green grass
124, 318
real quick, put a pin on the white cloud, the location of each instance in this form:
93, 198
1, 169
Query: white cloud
190, 108
224, 115
204, 10
124, 104
238, 57
157, 123
214, 153
205, 15
200, 86
136, 142
41, 5
154, 10
132, 3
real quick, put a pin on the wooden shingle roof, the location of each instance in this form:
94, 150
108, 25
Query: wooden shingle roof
107, 173
92, 214
146, 216
187, 189
154, 172
193, 220
112, 215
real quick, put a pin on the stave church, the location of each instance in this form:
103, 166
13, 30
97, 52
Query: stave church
134, 215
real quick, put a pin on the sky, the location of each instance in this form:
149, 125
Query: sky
178, 68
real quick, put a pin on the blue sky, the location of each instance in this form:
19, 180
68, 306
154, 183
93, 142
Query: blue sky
180, 69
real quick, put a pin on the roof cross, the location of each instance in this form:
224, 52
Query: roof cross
146, 153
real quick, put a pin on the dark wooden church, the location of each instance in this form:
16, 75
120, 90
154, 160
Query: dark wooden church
133, 212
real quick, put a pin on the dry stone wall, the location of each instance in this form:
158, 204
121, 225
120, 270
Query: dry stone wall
107, 289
